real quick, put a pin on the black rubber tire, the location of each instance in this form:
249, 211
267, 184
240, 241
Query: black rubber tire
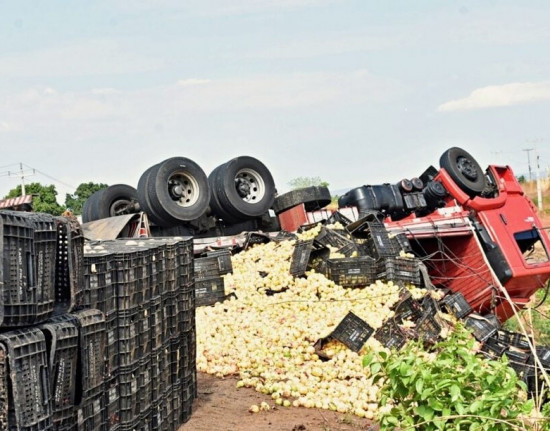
110, 202
215, 205
178, 190
464, 170
313, 198
243, 189
145, 201
89, 207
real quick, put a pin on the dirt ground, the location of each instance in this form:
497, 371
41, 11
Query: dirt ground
221, 406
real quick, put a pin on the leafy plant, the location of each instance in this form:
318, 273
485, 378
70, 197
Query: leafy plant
448, 387
44, 197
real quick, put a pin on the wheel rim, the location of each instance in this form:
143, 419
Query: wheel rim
121, 207
467, 168
250, 186
184, 189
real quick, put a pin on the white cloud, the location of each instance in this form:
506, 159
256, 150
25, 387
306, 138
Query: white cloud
517, 93
191, 82
85, 58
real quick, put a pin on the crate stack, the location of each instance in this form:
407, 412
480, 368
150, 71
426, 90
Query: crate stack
146, 288
96, 338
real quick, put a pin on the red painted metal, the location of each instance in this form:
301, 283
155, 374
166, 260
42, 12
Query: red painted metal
293, 218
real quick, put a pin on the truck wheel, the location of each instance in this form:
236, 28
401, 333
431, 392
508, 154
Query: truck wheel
176, 190
464, 170
243, 188
116, 200
313, 198
145, 201
89, 206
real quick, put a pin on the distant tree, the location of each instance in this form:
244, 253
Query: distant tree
44, 198
521, 179
301, 182
75, 201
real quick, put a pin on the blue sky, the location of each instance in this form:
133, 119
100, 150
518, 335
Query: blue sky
355, 92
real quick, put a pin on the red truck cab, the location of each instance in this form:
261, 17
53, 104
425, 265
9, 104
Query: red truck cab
490, 239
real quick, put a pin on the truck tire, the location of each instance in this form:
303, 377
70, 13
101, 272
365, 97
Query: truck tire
464, 170
89, 206
145, 201
115, 200
177, 190
313, 198
243, 189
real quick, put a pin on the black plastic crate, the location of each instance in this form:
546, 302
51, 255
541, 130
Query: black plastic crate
170, 316
428, 328
481, 327
300, 257
340, 241
130, 337
29, 406
352, 271
111, 412
209, 291
3, 388
111, 344
17, 270
543, 353
493, 348
128, 383
352, 331
131, 282
457, 305
515, 339
69, 277
390, 335
187, 396
401, 242
92, 346
156, 327
430, 305
338, 217
379, 243
99, 280
159, 371
400, 269
90, 413
408, 308
213, 263
45, 248
145, 381
186, 309
62, 344
518, 361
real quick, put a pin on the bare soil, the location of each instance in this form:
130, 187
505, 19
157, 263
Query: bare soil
221, 406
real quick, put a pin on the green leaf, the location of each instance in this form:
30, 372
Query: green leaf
425, 412
455, 393
435, 404
475, 406
367, 359
426, 393
419, 385
375, 367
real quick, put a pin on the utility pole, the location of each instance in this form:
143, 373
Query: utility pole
528, 150
539, 187
22, 175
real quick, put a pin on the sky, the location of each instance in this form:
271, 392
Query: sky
352, 91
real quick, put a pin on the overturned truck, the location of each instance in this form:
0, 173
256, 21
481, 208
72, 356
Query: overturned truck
475, 230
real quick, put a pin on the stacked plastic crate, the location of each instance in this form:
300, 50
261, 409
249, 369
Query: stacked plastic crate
144, 284
97, 341
38, 369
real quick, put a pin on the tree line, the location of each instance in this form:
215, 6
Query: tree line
45, 197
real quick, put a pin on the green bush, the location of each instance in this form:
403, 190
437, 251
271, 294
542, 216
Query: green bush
448, 387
